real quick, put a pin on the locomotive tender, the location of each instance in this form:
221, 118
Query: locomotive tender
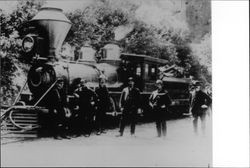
46, 34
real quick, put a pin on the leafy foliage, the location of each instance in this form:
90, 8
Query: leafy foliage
96, 23
10, 44
202, 53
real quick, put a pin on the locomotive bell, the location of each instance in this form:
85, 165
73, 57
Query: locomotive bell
53, 26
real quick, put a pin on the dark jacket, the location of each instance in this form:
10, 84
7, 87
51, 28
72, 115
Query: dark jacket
87, 98
57, 101
197, 100
130, 99
103, 97
160, 100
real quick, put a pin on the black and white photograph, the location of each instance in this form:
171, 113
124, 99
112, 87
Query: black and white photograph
103, 83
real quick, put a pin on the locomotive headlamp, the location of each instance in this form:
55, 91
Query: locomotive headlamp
28, 43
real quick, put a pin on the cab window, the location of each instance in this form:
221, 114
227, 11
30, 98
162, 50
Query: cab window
152, 72
138, 70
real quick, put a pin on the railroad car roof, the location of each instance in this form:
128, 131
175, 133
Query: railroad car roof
143, 58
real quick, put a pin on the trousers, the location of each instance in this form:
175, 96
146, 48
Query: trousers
160, 120
126, 119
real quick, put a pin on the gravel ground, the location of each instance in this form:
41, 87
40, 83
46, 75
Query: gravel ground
181, 147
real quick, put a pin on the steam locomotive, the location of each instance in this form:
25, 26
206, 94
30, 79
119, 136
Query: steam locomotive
43, 42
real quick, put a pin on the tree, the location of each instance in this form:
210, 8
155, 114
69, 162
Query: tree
10, 44
202, 53
97, 22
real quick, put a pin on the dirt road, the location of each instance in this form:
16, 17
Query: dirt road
181, 147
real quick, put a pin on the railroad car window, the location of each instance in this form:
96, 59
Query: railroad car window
138, 70
146, 69
152, 72
146, 72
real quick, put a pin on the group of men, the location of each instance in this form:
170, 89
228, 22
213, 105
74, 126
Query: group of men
90, 108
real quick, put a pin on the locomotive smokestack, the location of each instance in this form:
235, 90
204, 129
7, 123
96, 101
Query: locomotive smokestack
53, 26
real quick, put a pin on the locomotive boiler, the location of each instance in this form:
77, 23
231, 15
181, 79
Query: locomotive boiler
42, 44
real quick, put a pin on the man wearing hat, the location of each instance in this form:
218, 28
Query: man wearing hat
103, 104
159, 100
57, 106
87, 103
129, 105
199, 105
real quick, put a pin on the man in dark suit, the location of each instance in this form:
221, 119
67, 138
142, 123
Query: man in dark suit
199, 104
130, 106
159, 100
57, 106
87, 103
103, 104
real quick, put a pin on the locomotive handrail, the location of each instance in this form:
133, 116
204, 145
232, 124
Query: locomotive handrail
6, 112
45, 93
3, 116
12, 106
20, 92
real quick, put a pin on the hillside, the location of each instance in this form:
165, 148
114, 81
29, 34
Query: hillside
198, 16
